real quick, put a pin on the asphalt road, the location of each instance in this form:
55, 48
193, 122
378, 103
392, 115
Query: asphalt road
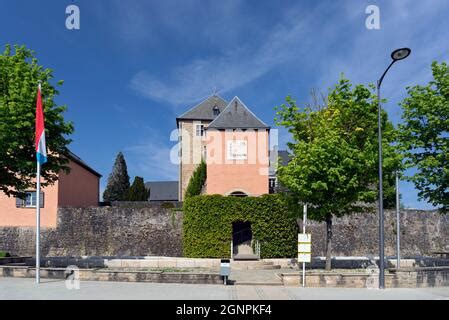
19, 288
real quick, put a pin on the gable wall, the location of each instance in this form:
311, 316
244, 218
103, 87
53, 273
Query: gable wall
79, 188
225, 176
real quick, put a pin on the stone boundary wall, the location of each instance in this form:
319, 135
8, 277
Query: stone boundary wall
402, 278
102, 231
109, 275
422, 232
151, 230
145, 204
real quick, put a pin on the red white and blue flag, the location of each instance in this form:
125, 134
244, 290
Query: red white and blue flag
41, 148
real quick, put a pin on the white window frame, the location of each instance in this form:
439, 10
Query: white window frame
30, 200
200, 130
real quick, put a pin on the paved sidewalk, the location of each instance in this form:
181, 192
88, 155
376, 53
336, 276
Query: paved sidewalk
20, 288
267, 277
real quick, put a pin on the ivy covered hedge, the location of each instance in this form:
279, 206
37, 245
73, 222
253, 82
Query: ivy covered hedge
207, 230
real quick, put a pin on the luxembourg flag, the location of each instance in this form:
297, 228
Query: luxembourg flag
41, 148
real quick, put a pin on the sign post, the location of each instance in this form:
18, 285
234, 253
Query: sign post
304, 247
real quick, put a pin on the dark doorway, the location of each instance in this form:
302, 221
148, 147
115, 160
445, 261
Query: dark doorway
241, 232
242, 239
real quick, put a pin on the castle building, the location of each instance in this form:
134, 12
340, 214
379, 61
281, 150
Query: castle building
232, 141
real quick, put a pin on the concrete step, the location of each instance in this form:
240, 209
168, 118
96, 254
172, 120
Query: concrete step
244, 248
264, 267
253, 265
17, 264
245, 257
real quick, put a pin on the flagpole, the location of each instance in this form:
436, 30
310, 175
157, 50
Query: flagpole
38, 222
38, 215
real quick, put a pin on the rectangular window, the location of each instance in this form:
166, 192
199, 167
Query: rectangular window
272, 185
199, 130
30, 200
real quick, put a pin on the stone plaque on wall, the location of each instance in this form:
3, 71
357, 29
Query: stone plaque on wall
237, 150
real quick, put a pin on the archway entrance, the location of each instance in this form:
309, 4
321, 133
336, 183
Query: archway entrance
242, 240
238, 194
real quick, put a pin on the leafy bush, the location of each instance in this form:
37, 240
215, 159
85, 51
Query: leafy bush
207, 229
4, 254
197, 181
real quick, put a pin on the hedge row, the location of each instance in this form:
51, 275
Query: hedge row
208, 225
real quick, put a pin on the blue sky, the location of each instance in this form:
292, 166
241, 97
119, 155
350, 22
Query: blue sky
135, 65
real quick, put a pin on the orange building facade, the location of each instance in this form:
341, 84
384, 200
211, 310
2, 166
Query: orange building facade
79, 188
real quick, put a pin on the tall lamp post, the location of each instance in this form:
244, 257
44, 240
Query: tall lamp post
396, 55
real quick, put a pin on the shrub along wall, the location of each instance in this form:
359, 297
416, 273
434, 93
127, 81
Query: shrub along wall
207, 226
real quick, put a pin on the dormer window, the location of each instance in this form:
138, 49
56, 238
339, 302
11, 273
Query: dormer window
216, 111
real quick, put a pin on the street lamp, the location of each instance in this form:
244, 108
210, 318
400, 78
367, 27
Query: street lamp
396, 55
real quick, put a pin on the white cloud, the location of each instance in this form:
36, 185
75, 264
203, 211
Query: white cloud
233, 68
335, 42
367, 53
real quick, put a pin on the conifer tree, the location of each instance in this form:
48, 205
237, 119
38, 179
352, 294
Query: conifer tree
197, 181
118, 182
138, 191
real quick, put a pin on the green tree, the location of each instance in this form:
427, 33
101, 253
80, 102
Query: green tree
424, 136
138, 191
20, 74
334, 166
197, 180
118, 181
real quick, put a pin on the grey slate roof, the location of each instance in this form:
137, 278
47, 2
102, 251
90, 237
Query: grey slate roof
237, 116
275, 155
205, 109
163, 190
285, 157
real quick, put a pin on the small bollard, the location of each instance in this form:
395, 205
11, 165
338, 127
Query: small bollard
225, 269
